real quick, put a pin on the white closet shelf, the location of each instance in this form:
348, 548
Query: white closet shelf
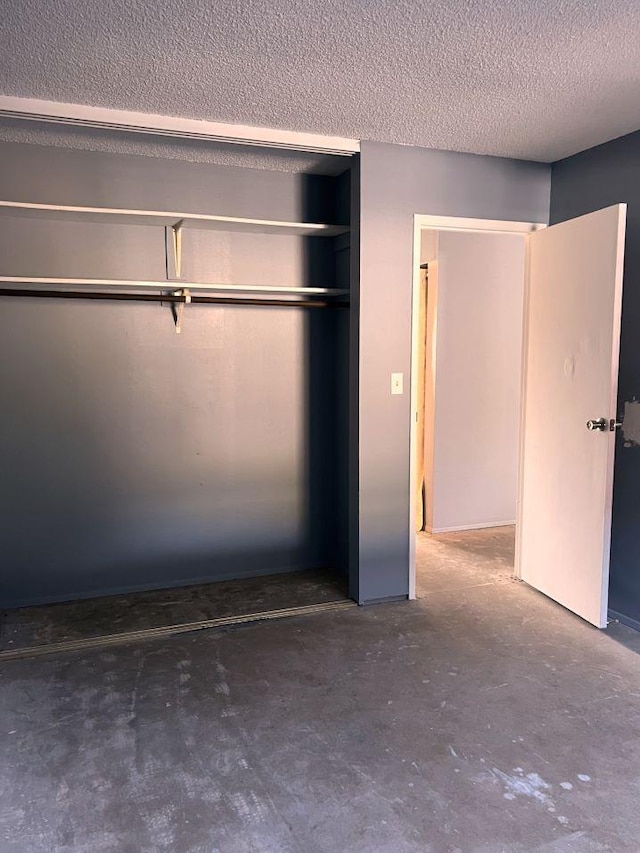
121, 216
166, 285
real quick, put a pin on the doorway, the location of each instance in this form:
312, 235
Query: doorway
468, 298
572, 301
468, 373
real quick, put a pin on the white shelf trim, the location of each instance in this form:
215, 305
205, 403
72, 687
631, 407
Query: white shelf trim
83, 115
170, 218
165, 285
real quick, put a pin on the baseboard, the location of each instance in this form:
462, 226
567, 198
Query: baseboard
484, 525
614, 616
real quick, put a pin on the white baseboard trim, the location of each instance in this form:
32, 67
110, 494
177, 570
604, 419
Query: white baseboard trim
484, 525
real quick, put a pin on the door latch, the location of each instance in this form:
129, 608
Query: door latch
602, 424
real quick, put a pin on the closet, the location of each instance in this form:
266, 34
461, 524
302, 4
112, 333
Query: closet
174, 371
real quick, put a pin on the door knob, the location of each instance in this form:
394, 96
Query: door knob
600, 424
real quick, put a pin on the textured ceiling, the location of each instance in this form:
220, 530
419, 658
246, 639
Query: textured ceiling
536, 79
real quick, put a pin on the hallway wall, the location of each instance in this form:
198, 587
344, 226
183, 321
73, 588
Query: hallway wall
478, 363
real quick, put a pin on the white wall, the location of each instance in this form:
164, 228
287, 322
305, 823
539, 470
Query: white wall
480, 287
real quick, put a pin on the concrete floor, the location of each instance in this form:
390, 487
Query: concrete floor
482, 718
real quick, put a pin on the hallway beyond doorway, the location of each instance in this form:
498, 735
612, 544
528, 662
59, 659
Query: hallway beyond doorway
468, 558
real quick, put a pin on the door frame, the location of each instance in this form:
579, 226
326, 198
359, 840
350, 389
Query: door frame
423, 222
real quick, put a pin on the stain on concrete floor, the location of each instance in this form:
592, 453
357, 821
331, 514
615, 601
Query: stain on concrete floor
481, 718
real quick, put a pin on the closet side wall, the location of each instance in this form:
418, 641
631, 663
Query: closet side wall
133, 457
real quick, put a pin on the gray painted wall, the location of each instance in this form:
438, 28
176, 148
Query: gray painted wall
602, 176
133, 457
398, 182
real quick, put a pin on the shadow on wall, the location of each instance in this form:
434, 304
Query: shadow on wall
326, 263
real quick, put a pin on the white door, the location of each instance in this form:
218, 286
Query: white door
572, 338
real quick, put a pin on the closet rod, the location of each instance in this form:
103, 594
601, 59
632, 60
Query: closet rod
172, 297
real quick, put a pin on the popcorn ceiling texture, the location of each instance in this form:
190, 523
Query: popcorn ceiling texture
534, 79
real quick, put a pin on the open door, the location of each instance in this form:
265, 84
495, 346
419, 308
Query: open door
572, 338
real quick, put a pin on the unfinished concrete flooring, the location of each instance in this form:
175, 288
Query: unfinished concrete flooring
482, 718
107, 621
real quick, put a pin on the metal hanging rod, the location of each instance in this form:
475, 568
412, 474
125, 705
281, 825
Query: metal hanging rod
170, 284
172, 298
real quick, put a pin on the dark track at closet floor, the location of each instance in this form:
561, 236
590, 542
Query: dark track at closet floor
112, 616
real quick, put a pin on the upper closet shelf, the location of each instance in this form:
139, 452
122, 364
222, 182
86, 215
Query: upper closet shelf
168, 218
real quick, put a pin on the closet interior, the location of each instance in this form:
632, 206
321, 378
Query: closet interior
175, 374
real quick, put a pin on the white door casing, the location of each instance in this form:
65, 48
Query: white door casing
439, 223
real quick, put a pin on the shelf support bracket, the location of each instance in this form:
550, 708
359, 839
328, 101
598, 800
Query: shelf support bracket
179, 307
173, 249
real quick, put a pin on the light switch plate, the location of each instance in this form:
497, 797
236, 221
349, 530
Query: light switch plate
397, 382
